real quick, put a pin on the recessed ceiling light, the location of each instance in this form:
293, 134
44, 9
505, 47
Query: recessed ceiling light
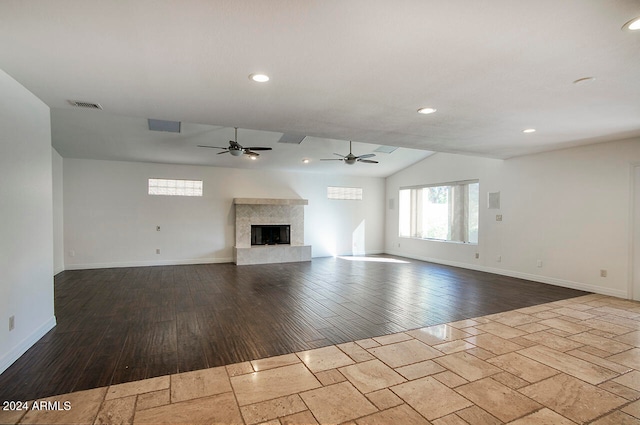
632, 25
584, 80
259, 78
426, 110
529, 130
253, 157
305, 161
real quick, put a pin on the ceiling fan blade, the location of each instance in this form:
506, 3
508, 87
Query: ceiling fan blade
331, 159
258, 148
342, 156
368, 161
250, 153
212, 147
225, 151
368, 155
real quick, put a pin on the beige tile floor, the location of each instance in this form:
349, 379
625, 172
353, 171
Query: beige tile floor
575, 361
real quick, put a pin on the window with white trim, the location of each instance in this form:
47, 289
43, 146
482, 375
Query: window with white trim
446, 211
172, 187
344, 193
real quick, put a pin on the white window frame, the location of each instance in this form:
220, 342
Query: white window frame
175, 187
344, 193
462, 218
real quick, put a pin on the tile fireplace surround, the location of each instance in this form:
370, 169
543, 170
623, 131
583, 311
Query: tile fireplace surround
258, 211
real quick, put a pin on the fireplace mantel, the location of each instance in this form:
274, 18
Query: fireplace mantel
270, 211
269, 201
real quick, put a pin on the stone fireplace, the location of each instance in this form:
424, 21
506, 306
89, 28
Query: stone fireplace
270, 214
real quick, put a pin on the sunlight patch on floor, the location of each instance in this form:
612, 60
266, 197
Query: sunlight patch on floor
373, 259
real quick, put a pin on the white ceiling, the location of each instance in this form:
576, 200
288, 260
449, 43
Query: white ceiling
340, 70
92, 134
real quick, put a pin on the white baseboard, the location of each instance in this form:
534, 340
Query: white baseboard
86, 266
533, 277
118, 264
15, 353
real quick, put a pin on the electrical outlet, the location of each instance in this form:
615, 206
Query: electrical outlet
499, 258
72, 253
158, 251
477, 255
498, 217
539, 263
603, 273
12, 323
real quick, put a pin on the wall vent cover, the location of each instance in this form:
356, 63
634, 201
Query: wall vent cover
82, 104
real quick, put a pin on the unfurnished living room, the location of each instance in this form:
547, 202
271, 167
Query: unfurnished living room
300, 212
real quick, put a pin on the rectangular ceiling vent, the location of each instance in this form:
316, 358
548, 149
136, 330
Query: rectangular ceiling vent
292, 138
88, 105
386, 149
164, 125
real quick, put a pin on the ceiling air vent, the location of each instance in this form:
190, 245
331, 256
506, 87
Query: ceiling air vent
163, 125
386, 149
88, 105
292, 138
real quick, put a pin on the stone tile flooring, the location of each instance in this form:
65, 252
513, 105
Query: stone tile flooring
574, 361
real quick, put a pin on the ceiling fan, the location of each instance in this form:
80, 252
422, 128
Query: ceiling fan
351, 158
236, 149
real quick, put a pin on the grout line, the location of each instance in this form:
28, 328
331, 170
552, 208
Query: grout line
618, 374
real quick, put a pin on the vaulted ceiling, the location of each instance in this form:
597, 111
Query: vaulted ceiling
339, 70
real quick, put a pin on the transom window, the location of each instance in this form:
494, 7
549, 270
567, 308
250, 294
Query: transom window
172, 187
447, 211
344, 193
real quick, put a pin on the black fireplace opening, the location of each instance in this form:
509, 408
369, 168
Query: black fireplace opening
270, 234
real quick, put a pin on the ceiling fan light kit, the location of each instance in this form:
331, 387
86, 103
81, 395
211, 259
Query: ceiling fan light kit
236, 149
351, 158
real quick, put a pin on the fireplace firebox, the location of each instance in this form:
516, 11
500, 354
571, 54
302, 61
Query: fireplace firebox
270, 234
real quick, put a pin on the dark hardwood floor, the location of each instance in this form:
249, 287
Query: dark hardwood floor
125, 324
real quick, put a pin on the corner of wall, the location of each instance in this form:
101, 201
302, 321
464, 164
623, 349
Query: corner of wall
14, 354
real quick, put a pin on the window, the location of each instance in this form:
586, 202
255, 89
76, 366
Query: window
345, 193
171, 187
446, 212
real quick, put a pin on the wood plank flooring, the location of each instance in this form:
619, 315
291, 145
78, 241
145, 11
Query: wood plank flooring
125, 324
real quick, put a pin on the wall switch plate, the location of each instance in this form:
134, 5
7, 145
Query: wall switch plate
158, 251
477, 255
12, 323
603, 273
498, 217
157, 228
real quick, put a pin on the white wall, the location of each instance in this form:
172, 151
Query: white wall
568, 208
58, 218
26, 229
110, 220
